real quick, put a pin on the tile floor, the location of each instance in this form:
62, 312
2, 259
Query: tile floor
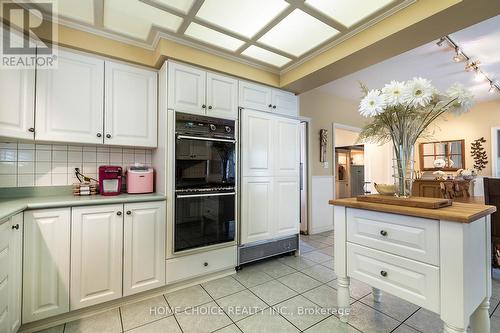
250, 301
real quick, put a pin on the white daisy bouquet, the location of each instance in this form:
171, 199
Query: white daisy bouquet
401, 112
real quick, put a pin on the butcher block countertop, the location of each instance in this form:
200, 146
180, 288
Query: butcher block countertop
457, 212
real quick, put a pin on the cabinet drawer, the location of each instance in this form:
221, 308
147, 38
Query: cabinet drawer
413, 281
191, 266
410, 237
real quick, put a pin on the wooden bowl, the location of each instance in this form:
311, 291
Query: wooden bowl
385, 189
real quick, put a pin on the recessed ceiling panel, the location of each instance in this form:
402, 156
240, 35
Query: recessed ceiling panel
298, 33
266, 56
181, 5
244, 17
80, 10
135, 18
213, 37
348, 12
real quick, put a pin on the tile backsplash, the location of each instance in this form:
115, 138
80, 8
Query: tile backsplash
24, 164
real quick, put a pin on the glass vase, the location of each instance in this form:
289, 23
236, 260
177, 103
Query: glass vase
403, 169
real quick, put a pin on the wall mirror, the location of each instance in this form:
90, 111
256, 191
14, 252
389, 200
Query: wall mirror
452, 152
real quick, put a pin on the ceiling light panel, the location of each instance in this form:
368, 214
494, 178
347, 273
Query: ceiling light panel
298, 33
348, 12
242, 17
78, 10
135, 18
266, 56
182, 6
213, 37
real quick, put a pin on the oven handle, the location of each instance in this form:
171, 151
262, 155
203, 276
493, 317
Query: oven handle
204, 139
204, 195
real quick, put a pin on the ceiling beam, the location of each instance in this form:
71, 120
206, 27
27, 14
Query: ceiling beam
190, 16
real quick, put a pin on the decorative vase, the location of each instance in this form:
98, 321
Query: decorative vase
403, 169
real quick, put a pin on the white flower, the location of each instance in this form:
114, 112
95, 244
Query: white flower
373, 104
418, 92
439, 163
393, 93
464, 99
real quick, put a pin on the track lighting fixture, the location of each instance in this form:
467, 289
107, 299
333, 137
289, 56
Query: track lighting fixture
470, 65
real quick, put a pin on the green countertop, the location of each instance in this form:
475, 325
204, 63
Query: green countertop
12, 206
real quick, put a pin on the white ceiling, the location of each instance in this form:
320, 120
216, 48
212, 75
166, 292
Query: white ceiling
480, 41
272, 34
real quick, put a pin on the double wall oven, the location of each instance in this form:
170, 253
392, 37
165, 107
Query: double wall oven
205, 182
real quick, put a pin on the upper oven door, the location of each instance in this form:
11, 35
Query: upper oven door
203, 162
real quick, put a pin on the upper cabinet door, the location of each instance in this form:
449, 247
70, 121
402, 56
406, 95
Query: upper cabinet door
131, 105
255, 96
17, 103
96, 255
69, 100
287, 143
257, 143
17, 100
144, 247
46, 263
222, 92
285, 103
186, 89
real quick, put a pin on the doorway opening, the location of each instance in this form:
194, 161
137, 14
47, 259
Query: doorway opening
350, 171
304, 177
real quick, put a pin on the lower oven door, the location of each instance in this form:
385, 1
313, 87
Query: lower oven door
204, 219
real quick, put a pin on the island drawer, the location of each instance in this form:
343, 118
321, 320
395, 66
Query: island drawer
411, 237
190, 266
413, 281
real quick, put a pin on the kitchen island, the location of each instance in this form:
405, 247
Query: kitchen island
439, 259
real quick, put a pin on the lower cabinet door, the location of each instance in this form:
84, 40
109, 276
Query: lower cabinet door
257, 209
144, 247
96, 254
46, 263
15, 271
286, 206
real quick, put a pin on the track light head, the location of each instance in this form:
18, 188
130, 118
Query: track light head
441, 41
479, 76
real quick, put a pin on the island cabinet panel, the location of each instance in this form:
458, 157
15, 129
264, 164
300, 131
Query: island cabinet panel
144, 247
412, 237
46, 264
96, 254
412, 280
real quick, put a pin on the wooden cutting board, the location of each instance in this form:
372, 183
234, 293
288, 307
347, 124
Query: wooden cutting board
420, 202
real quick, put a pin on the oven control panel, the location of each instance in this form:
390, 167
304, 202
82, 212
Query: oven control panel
187, 124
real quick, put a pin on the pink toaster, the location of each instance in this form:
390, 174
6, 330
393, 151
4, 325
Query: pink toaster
140, 179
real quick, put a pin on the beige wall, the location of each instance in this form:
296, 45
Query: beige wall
344, 138
470, 126
325, 109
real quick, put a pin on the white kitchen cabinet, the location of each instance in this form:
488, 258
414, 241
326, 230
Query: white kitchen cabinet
96, 254
17, 103
11, 260
144, 247
222, 96
206, 262
286, 206
186, 89
257, 207
255, 96
284, 103
287, 147
69, 100
257, 143
130, 105
46, 263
